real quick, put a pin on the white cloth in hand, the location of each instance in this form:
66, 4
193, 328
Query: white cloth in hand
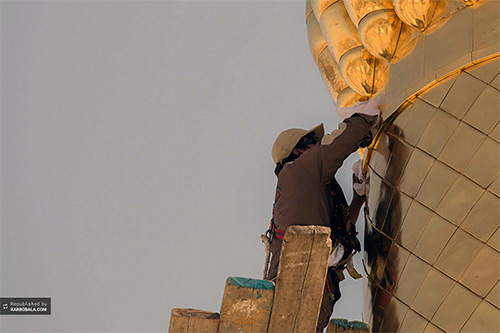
336, 255
368, 107
360, 184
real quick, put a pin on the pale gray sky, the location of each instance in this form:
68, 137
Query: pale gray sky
136, 173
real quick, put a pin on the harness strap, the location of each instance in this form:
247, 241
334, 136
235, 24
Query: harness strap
275, 232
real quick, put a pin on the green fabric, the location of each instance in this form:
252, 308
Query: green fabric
359, 325
250, 283
346, 324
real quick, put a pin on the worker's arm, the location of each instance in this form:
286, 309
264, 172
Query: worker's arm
337, 146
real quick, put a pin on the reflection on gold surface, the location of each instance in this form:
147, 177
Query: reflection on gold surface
349, 97
384, 200
400, 154
395, 312
330, 72
385, 36
397, 259
364, 73
380, 245
358, 9
414, 174
382, 300
411, 279
420, 13
414, 223
339, 31
418, 118
396, 213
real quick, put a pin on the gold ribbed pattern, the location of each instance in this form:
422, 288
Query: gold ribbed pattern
385, 36
369, 34
358, 9
419, 14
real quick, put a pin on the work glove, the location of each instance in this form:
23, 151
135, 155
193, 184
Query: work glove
359, 183
368, 107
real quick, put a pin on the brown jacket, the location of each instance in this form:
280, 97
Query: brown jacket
304, 185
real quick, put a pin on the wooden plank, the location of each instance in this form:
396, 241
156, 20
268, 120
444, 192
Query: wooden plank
301, 279
193, 321
246, 305
345, 326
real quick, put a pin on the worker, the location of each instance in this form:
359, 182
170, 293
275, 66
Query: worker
308, 194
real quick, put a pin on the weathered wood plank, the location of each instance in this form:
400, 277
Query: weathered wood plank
193, 321
345, 326
301, 279
246, 305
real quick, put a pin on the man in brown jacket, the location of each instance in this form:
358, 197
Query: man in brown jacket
308, 194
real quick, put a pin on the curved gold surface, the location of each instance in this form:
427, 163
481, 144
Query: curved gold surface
309, 9
317, 42
348, 97
339, 31
330, 72
319, 6
432, 234
364, 73
385, 36
358, 9
431, 237
420, 14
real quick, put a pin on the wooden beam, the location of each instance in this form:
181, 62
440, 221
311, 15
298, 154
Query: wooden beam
345, 326
301, 279
193, 321
246, 305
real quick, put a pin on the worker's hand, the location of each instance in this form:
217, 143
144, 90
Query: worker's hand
360, 184
368, 107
